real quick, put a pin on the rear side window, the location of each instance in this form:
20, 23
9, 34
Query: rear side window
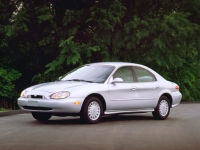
144, 75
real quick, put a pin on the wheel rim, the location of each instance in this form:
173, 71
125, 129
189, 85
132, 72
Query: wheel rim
163, 108
94, 110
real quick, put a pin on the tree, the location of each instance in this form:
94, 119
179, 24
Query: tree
8, 75
63, 34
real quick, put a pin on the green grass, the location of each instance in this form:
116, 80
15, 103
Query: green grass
4, 109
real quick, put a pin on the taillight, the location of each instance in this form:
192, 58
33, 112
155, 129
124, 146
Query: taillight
177, 87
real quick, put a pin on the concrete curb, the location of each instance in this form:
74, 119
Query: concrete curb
195, 102
12, 112
15, 112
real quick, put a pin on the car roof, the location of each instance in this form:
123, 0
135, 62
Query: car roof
116, 64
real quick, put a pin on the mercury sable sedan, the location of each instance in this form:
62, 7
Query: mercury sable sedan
98, 89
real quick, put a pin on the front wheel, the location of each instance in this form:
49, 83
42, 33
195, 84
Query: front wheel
92, 110
41, 116
162, 109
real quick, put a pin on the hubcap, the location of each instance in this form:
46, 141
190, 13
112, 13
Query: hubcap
94, 110
163, 108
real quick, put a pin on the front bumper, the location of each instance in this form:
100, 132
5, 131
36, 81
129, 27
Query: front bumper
51, 105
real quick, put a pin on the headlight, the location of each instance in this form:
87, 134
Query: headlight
60, 95
23, 94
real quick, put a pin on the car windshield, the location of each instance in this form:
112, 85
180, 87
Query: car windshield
89, 73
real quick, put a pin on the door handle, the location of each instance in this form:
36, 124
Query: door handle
133, 88
157, 87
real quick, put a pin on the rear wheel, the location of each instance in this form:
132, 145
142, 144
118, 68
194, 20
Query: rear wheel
92, 110
41, 116
162, 109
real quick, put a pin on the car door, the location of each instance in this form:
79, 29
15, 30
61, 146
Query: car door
123, 95
148, 88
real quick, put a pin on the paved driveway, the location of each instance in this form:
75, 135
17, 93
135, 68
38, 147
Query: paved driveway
134, 131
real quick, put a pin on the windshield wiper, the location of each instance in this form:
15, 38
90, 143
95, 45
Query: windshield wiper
81, 80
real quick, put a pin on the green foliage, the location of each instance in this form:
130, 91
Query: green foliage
70, 54
45, 39
7, 77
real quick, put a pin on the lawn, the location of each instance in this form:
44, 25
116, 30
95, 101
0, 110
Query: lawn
4, 109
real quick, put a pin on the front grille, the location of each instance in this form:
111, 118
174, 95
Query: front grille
36, 108
35, 96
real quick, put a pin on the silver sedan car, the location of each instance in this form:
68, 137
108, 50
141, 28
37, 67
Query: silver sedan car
98, 89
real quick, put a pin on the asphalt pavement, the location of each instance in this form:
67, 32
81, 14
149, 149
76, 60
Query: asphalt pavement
181, 131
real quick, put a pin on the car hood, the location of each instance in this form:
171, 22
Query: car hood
56, 86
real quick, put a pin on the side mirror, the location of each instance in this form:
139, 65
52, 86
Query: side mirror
117, 80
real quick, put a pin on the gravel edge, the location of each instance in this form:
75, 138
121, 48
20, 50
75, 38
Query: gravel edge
12, 112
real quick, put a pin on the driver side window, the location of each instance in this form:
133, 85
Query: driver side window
125, 73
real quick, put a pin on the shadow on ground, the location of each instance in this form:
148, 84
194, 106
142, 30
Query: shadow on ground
77, 121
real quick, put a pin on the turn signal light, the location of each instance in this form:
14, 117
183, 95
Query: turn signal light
76, 103
177, 87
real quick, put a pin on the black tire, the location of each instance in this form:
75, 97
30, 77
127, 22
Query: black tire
41, 116
162, 109
91, 104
